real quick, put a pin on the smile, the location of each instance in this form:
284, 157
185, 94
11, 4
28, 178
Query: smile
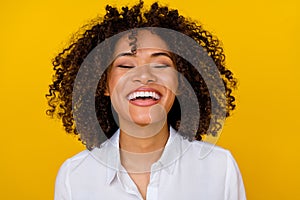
144, 97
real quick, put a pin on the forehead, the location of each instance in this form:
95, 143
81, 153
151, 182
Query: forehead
144, 39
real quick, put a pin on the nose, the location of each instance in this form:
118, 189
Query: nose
143, 74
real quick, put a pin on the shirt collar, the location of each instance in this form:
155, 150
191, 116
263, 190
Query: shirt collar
108, 154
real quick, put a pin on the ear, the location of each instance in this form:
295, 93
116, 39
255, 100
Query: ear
106, 93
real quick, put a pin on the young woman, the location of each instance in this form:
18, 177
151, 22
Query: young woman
154, 83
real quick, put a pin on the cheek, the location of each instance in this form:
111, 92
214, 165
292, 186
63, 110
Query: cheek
113, 81
170, 81
111, 86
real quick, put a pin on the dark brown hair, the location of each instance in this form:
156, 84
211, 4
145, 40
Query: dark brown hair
67, 63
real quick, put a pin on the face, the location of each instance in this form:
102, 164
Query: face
142, 86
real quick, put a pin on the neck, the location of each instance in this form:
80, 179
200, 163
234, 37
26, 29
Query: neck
143, 140
138, 154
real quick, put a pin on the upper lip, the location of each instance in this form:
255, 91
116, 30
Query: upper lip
142, 91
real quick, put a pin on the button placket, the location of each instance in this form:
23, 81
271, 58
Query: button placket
152, 189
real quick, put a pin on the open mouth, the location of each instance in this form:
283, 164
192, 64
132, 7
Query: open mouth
144, 98
143, 95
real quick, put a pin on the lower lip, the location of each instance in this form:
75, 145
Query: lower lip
144, 103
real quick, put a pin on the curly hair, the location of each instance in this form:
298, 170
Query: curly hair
67, 63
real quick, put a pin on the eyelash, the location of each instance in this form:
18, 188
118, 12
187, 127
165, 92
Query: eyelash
130, 67
161, 66
125, 66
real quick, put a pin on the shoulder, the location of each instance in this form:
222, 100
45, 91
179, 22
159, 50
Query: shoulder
215, 165
203, 150
81, 163
74, 160
62, 183
220, 162
70, 165
211, 159
81, 170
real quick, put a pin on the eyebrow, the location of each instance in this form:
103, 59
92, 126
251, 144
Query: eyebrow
152, 55
162, 54
125, 54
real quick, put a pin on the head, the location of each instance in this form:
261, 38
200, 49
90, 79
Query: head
142, 83
138, 61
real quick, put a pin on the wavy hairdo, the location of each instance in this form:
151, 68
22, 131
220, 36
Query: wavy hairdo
67, 63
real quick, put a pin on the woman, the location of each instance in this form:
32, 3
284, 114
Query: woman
135, 78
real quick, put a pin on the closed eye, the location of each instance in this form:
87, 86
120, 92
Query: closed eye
125, 66
161, 66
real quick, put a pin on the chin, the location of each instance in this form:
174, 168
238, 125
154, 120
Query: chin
141, 120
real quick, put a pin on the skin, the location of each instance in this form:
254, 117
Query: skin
143, 123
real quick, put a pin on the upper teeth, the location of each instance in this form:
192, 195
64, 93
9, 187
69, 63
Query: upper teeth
143, 94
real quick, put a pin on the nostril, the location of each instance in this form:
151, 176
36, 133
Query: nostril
143, 74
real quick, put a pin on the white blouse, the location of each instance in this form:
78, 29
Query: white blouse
186, 171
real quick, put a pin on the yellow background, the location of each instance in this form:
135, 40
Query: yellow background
261, 41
